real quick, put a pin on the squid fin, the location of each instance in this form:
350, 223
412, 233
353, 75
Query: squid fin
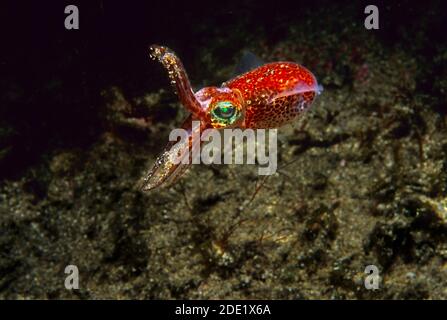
248, 62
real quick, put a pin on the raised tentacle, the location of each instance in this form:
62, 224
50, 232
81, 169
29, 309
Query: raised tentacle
179, 78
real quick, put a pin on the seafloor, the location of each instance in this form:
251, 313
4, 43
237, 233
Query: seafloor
362, 176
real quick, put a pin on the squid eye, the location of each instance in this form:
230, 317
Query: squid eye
224, 113
224, 110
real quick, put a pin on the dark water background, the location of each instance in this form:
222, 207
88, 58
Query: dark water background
53, 77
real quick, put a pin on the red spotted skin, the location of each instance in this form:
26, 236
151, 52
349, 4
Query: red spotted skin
275, 93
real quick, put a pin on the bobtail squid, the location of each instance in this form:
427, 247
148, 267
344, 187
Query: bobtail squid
267, 96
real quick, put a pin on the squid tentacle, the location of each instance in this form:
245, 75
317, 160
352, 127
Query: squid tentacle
178, 76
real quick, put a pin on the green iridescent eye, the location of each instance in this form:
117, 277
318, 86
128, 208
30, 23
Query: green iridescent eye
224, 113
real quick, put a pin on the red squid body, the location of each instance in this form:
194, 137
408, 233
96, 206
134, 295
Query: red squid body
275, 93
268, 96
